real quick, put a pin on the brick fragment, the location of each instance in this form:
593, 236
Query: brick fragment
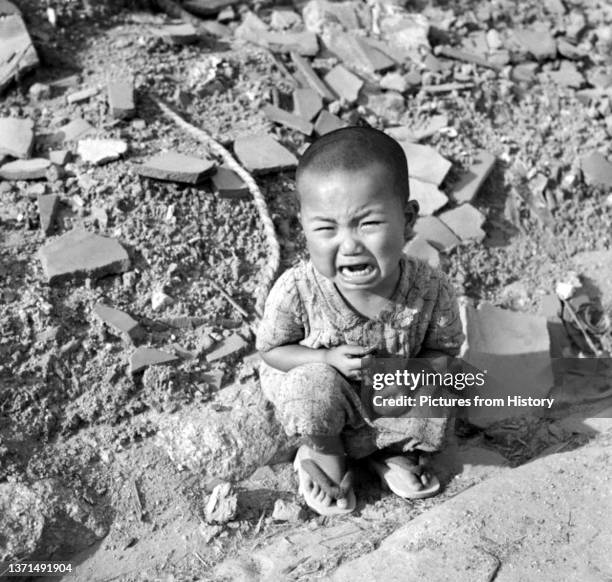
119, 322
121, 98
142, 358
176, 167
79, 254
261, 154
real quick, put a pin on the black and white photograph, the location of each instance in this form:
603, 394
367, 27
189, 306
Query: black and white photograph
299, 290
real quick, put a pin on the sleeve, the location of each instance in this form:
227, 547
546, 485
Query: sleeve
445, 331
281, 323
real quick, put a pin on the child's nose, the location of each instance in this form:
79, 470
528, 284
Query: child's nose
350, 243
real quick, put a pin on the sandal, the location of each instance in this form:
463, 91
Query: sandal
304, 465
395, 472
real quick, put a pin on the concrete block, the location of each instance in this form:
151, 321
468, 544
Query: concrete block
47, 210
428, 196
326, 122
278, 115
121, 98
32, 169
418, 247
142, 358
228, 184
307, 103
176, 167
101, 151
344, 83
465, 221
16, 137
470, 183
303, 66
119, 322
79, 254
261, 154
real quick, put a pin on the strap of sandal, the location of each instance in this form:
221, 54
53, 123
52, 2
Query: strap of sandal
417, 468
335, 491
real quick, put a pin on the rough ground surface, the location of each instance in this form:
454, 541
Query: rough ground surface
79, 436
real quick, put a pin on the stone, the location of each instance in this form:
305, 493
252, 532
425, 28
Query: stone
176, 167
83, 95
388, 105
143, 357
303, 66
406, 33
303, 43
121, 98
468, 186
47, 210
261, 154
222, 505
537, 41
425, 163
524, 72
465, 221
344, 83
16, 137
74, 130
319, 15
514, 349
288, 511
565, 521
159, 300
39, 91
436, 233
32, 169
228, 184
60, 157
17, 52
78, 254
395, 82
278, 115
356, 53
101, 151
418, 247
326, 122
597, 170
283, 19
600, 79
231, 346
207, 8
567, 76
428, 196
119, 322
570, 51
427, 128
179, 34
307, 103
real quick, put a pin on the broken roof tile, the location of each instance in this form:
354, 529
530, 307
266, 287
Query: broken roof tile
142, 358
467, 187
465, 221
261, 154
228, 184
278, 115
176, 167
313, 79
79, 254
16, 137
344, 83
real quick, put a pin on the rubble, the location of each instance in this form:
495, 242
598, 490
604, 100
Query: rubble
537, 41
466, 189
425, 163
176, 167
74, 130
288, 511
78, 254
228, 184
47, 210
344, 83
326, 122
39, 91
144, 357
357, 54
17, 52
307, 103
101, 151
32, 169
179, 34
303, 66
436, 233
428, 196
597, 169
16, 137
83, 95
60, 157
231, 346
261, 154
222, 505
121, 98
465, 221
418, 247
120, 322
287, 119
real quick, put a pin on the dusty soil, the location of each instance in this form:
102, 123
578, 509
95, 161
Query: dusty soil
70, 411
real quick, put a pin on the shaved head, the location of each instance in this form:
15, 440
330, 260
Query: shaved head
353, 149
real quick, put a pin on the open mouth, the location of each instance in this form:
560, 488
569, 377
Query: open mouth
356, 271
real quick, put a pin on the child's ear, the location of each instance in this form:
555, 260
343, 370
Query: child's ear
411, 213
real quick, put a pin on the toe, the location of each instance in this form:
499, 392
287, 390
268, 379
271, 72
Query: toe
342, 502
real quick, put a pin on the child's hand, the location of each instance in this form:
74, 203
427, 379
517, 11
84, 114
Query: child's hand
347, 359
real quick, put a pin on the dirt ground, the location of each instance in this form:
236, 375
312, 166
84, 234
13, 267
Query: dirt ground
72, 416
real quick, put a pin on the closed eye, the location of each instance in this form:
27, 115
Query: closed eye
371, 223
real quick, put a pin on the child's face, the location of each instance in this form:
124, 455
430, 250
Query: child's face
355, 227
